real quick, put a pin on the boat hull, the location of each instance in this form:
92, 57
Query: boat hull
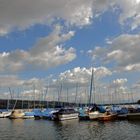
63, 117
107, 117
68, 117
16, 114
94, 115
28, 117
38, 117
5, 114
133, 116
84, 117
122, 117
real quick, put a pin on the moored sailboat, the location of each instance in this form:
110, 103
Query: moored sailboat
83, 113
48, 113
17, 114
107, 116
4, 113
28, 115
38, 114
95, 112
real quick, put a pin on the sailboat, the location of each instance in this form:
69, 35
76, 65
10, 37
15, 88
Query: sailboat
16, 113
28, 114
6, 112
48, 112
95, 111
107, 116
84, 112
92, 112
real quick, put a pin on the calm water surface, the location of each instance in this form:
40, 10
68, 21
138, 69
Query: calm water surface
68, 130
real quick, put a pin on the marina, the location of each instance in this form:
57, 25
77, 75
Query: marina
69, 70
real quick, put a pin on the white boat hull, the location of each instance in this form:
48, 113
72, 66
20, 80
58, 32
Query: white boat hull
94, 115
62, 117
68, 116
28, 117
5, 114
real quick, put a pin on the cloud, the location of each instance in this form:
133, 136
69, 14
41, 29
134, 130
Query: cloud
12, 86
119, 82
76, 77
48, 52
136, 85
20, 15
68, 79
10, 81
34, 82
81, 76
129, 12
12, 61
15, 81
32, 94
123, 51
118, 86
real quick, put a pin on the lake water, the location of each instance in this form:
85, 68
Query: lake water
68, 130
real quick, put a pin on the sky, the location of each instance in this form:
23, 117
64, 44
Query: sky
55, 43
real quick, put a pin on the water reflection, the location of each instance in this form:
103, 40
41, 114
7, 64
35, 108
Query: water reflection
68, 130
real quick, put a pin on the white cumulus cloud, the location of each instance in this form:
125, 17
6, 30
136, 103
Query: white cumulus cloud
82, 76
123, 51
48, 52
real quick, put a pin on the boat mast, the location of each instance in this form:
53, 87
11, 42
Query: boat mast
12, 98
59, 95
94, 89
8, 102
76, 93
34, 104
45, 96
91, 86
67, 96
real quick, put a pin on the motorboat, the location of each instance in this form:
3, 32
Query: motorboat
65, 114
